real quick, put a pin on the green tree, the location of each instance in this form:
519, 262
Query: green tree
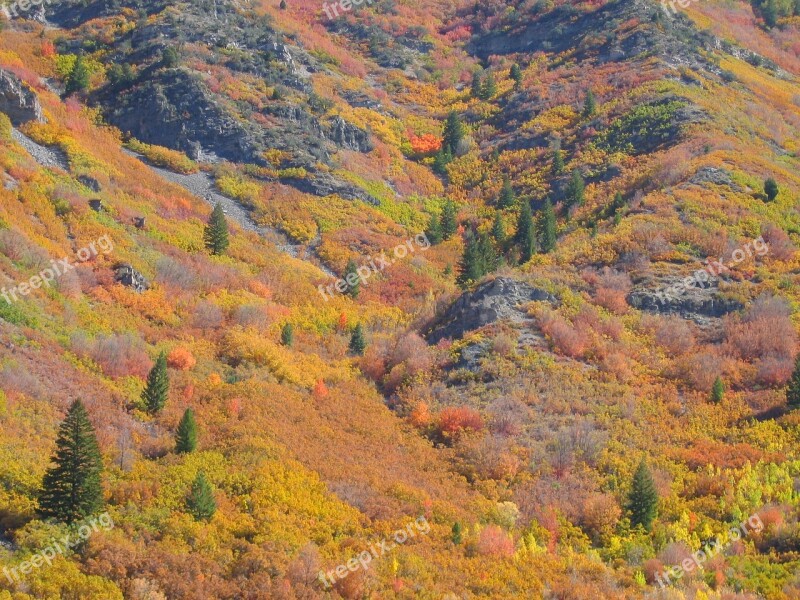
449, 221
516, 75
547, 228
793, 391
71, 488
643, 498
156, 391
457, 535
443, 158
170, 58
186, 434
358, 342
351, 274
507, 197
558, 161
525, 236
589, 105
489, 87
78, 78
718, 391
499, 230
216, 233
576, 190
200, 503
453, 133
479, 258
477, 85
287, 335
434, 230
771, 189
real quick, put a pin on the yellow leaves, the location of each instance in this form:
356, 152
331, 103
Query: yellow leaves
555, 119
164, 157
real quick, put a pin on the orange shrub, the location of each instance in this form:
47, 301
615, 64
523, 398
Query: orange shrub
493, 541
181, 359
455, 420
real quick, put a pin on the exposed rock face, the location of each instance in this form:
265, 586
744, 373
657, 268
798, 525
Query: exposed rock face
700, 304
490, 302
89, 182
18, 101
349, 136
130, 277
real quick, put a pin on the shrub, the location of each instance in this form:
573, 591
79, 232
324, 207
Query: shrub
181, 359
493, 541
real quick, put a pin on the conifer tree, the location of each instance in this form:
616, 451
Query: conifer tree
718, 391
479, 258
216, 233
558, 161
507, 197
200, 503
434, 230
287, 335
576, 190
499, 230
489, 87
589, 105
155, 393
351, 274
186, 434
516, 75
771, 189
453, 133
358, 342
449, 221
477, 85
78, 78
643, 498
71, 489
793, 391
525, 236
457, 535
547, 228
443, 158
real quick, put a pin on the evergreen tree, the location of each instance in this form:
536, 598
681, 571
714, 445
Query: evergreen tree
449, 221
558, 161
71, 489
200, 503
489, 87
358, 342
287, 335
443, 158
479, 259
547, 228
617, 204
589, 105
216, 233
643, 498
282, 5
351, 274
434, 230
507, 198
771, 189
793, 391
499, 230
155, 393
453, 133
525, 236
457, 535
516, 75
186, 434
477, 85
170, 58
78, 78
576, 190
717, 391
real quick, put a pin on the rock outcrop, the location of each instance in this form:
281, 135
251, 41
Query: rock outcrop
699, 304
130, 277
18, 101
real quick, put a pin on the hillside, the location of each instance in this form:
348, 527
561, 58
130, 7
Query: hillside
568, 369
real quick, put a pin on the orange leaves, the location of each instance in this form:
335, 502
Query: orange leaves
426, 144
493, 541
181, 359
320, 391
455, 421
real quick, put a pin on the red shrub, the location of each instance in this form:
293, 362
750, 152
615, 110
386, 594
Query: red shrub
454, 420
493, 541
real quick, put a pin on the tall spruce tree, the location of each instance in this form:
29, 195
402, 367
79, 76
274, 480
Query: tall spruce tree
71, 489
547, 228
793, 391
156, 390
477, 85
216, 233
516, 75
499, 230
643, 498
771, 189
449, 220
358, 342
589, 105
453, 133
78, 78
479, 258
200, 503
507, 197
489, 87
186, 434
287, 335
351, 274
434, 230
718, 391
558, 161
576, 190
525, 236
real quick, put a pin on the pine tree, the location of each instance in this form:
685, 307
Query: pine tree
479, 258
358, 342
576, 190
186, 434
558, 161
449, 220
718, 391
170, 58
443, 158
216, 233
287, 335
589, 105
489, 87
643, 498
200, 503
457, 535
507, 197
547, 228
771, 189
793, 391
351, 274
71, 489
516, 75
78, 78
525, 236
617, 204
155, 393
434, 230
499, 230
477, 85
453, 133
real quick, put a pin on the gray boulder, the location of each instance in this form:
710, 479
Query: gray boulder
130, 277
18, 101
